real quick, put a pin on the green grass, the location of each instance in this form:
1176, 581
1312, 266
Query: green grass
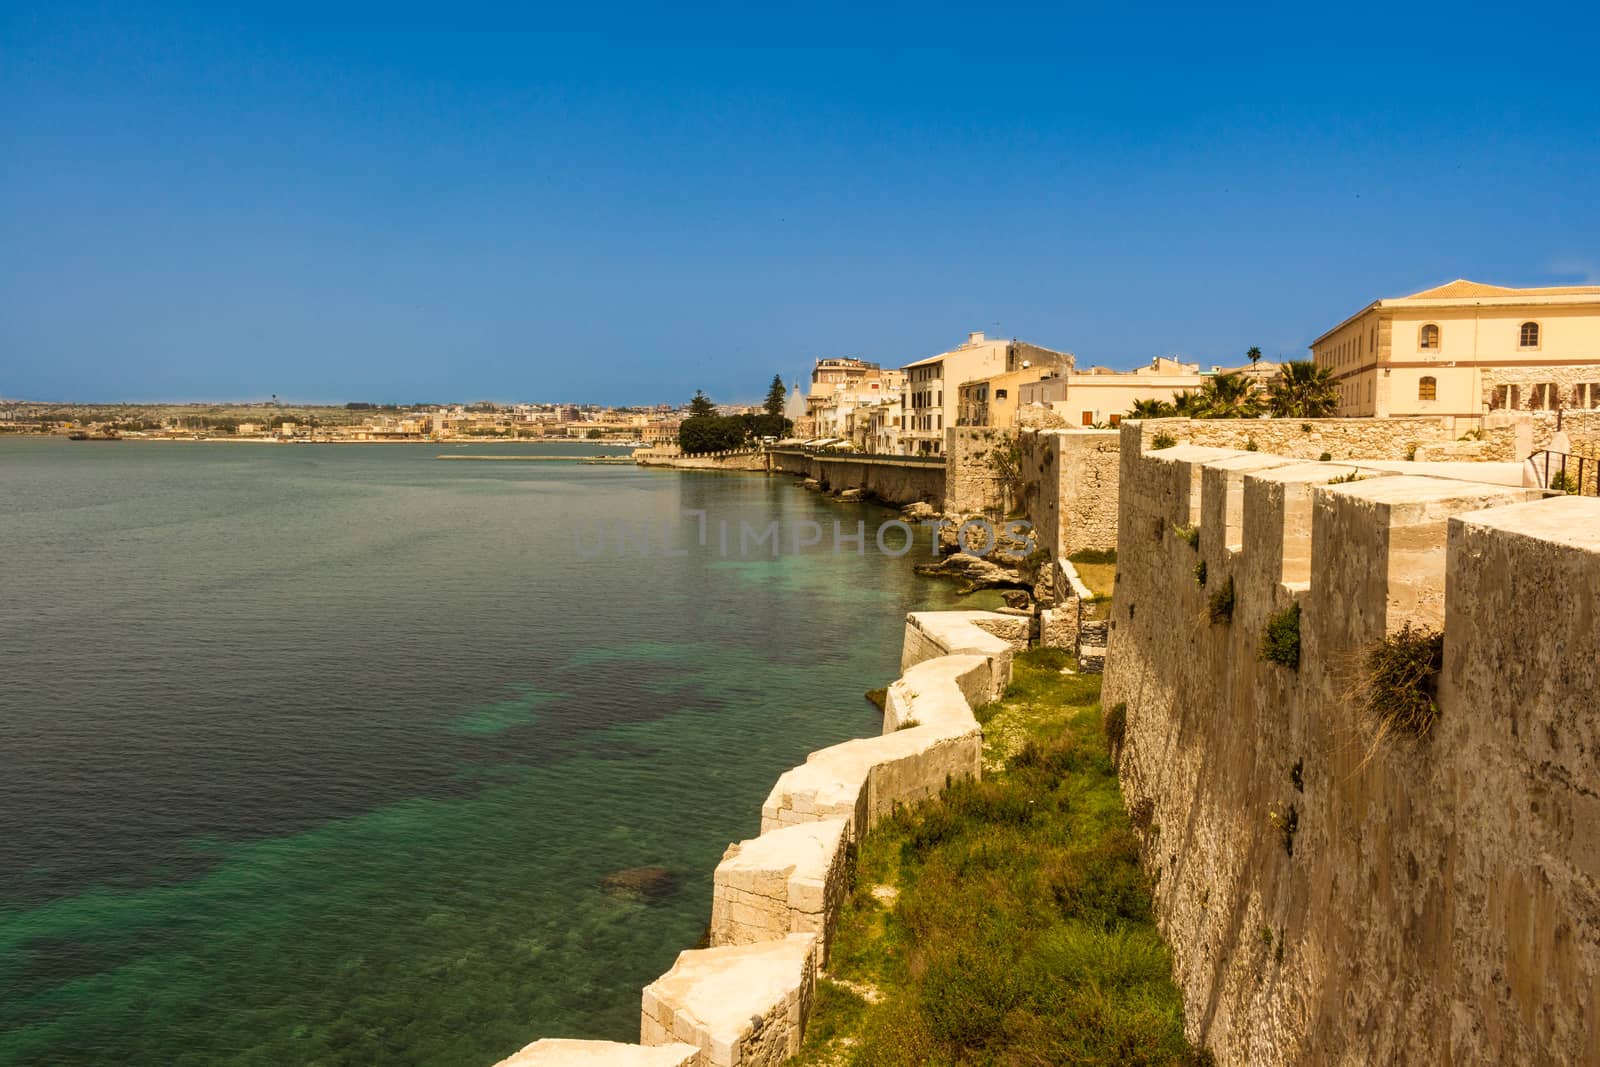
1021, 929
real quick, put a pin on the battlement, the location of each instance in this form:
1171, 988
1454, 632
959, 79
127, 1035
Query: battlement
1334, 887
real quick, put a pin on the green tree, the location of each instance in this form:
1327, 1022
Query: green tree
775, 397
1303, 390
1187, 404
593, 435
711, 433
1229, 396
1254, 356
1152, 409
701, 406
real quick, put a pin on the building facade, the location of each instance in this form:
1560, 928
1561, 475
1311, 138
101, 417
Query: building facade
1467, 348
932, 399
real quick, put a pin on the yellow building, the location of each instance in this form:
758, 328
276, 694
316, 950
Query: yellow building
932, 398
1466, 348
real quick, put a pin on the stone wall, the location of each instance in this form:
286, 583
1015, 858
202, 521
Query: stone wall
1310, 438
973, 485
1070, 488
1334, 892
672, 456
894, 480
745, 1000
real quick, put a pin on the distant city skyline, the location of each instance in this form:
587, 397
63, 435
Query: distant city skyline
343, 206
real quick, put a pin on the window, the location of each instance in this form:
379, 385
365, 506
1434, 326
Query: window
1088, 418
1544, 397
1428, 389
1429, 337
1116, 420
1594, 395
1529, 335
999, 394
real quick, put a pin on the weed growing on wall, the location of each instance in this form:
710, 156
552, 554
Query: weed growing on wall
1344, 479
1403, 677
1163, 440
1200, 574
1189, 534
1116, 727
1325, 457
1220, 607
1280, 640
1250, 445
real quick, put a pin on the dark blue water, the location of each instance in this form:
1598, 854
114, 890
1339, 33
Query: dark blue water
319, 754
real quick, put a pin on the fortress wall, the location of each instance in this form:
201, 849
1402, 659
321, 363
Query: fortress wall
894, 480
973, 486
1070, 487
776, 899
1342, 439
1334, 893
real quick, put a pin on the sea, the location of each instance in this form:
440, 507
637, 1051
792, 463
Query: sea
327, 754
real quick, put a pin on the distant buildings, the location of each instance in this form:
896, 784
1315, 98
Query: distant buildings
1100, 396
1466, 348
932, 398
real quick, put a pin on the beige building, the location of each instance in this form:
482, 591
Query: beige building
932, 399
1100, 396
1466, 348
841, 392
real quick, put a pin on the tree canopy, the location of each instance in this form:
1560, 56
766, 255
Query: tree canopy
1303, 390
700, 405
775, 397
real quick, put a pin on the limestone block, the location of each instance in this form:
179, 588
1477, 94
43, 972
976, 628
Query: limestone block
940, 693
560, 1052
791, 880
740, 1005
864, 779
996, 637
1058, 627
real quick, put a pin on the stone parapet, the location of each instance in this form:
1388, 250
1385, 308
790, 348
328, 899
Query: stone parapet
789, 881
740, 1005
563, 1052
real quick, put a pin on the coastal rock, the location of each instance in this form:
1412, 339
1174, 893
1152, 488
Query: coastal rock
640, 881
971, 572
1016, 598
919, 511
812, 484
851, 495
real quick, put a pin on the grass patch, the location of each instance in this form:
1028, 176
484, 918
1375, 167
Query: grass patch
1022, 930
1101, 578
1280, 641
1162, 440
1094, 555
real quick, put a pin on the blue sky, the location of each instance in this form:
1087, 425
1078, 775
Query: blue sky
622, 204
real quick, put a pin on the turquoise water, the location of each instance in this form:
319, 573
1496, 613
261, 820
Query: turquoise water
319, 754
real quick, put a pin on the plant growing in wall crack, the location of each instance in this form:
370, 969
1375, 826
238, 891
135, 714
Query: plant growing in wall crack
1280, 639
1402, 683
1200, 574
1162, 440
1345, 479
1189, 534
1287, 824
1220, 607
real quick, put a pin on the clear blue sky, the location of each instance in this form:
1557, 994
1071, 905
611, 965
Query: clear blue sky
620, 205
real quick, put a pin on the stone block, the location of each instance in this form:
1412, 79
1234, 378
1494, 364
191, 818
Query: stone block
791, 880
740, 1005
561, 1052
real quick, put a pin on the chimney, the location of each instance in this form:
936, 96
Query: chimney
975, 337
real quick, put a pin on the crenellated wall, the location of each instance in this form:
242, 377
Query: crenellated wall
1334, 893
745, 1000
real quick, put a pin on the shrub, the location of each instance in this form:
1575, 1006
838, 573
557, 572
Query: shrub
1220, 608
1163, 439
1189, 534
1116, 726
1305, 427
1562, 482
1325, 457
1094, 555
1403, 679
1411, 452
1250, 445
1200, 573
1280, 641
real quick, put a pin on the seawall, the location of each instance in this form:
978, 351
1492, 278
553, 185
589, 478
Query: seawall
1335, 891
893, 480
745, 1000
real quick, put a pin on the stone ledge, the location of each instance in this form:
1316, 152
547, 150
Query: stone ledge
562, 1052
996, 637
740, 1005
940, 693
791, 880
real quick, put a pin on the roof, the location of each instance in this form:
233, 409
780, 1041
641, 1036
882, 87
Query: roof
1461, 289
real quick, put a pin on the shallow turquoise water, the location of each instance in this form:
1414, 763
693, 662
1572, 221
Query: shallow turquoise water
318, 754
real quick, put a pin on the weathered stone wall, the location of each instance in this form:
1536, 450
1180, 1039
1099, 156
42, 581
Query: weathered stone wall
1070, 487
890, 479
745, 1000
1309, 438
1334, 893
973, 485
741, 460
1516, 435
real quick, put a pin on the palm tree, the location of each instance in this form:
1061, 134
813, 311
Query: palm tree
1152, 409
1229, 396
1187, 404
1303, 390
1254, 356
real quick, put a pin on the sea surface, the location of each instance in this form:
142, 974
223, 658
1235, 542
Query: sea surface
319, 754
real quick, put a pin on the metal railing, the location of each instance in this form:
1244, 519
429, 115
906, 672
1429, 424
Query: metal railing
1579, 475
